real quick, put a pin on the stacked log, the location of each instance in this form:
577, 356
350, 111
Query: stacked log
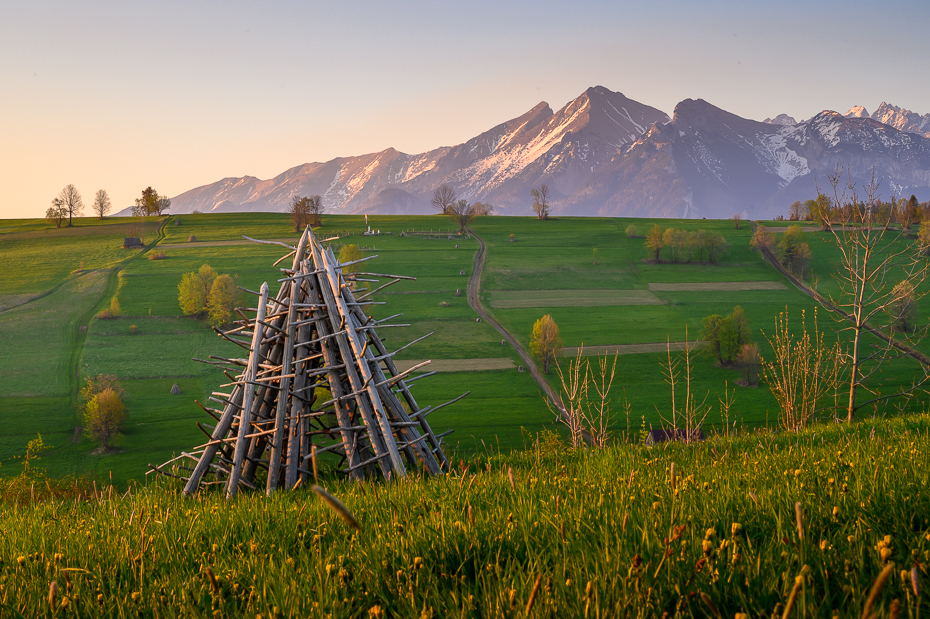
317, 379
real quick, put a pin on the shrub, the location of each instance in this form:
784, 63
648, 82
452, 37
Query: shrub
545, 341
103, 417
633, 232
726, 336
222, 301
192, 239
194, 290
157, 255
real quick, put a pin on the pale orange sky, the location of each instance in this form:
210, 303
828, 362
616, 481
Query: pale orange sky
175, 95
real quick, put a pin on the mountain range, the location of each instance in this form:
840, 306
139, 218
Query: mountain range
605, 154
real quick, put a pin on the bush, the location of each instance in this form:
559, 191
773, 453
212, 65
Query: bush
103, 417
103, 410
111, 312
726, 336
157, 255
222, 301
633, 232
194, 290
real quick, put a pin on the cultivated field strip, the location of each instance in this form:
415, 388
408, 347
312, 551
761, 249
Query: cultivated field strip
511, 299
458, 365
715, 286
629, 349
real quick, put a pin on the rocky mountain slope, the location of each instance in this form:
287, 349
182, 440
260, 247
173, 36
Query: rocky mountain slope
499, 166
605, 154
708, 162
899, 118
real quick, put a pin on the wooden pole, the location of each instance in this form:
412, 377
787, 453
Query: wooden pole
249, 386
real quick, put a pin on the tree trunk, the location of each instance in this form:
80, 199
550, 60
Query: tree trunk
854, 377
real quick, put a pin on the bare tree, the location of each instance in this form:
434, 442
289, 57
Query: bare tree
102, 204
304, 211
55, 213
461, 212
873, 270
316, 211
482, 209
70, 203
443, 198
794, 211
541, 201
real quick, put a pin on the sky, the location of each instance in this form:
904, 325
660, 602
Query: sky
124, 95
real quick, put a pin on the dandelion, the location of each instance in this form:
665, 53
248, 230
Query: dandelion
417, 563
836, 513
21, 561
136, 596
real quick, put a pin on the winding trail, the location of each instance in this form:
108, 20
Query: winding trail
474, 289
82, 324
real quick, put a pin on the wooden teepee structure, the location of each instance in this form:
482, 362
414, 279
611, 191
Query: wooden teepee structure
317, 379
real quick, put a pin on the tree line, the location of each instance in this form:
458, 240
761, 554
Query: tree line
685, 245
827, 211
69, 204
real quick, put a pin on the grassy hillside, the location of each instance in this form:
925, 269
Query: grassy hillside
692, 531
50, 340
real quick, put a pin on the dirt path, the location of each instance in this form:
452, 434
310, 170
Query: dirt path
474, 288
82, 326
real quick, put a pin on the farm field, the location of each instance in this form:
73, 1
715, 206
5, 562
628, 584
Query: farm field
624, 302
830, 521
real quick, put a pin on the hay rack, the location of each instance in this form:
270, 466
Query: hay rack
318, 379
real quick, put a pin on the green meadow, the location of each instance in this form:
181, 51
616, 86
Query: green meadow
831, 521
58, 279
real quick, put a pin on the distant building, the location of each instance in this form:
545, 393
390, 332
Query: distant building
132, 243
